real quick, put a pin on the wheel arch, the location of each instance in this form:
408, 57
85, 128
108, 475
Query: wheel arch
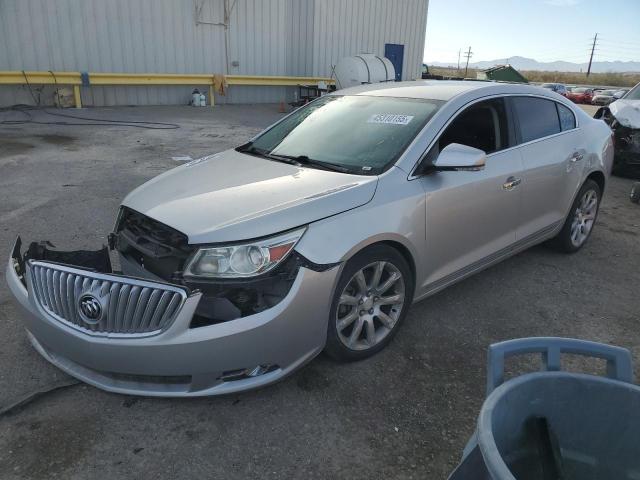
394, 241
598, 177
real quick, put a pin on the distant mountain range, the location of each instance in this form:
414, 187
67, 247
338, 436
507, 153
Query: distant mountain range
523, 63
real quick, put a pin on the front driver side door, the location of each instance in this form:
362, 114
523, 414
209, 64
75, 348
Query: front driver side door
472, 216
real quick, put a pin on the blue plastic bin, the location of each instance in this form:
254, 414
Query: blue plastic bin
553, 424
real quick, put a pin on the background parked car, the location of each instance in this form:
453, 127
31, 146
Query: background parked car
580, 95
603, 97
556, 87
623, 116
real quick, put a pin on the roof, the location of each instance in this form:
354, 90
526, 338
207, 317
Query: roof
496, 67
433, 89
512, 74
427, 89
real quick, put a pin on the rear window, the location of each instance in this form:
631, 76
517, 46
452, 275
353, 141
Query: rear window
567, 118
537, 117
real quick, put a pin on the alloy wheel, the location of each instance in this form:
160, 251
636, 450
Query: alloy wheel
370, 305
584, 217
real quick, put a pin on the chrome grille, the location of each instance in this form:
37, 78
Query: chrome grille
125, 306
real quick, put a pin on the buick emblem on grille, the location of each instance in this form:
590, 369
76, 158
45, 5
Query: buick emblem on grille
90, 308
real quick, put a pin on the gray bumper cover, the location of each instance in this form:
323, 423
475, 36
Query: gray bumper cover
183, 361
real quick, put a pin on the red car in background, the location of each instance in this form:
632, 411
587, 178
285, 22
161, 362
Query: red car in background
580, 95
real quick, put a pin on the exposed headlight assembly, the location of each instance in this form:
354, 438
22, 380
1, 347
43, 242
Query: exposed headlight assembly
244, 259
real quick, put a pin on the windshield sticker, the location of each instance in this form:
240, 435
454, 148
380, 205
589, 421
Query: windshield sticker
390, 118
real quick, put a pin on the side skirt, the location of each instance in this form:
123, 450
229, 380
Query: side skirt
522, 244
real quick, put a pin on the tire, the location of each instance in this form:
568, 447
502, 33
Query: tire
585, 215
635, 193
355, 308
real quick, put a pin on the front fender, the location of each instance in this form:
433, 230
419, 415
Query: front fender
396, 214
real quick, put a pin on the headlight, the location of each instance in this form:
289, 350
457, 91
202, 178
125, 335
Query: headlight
242, 260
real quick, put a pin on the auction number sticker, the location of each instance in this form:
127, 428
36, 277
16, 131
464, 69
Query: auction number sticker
390, 119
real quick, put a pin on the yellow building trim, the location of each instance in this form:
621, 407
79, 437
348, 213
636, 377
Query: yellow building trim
107, 79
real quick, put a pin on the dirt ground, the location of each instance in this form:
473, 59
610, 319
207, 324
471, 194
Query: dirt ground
405, 413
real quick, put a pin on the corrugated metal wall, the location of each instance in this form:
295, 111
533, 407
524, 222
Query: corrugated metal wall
348, 27
265, 37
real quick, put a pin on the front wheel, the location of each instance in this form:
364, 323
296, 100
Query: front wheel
371, 299
579, 223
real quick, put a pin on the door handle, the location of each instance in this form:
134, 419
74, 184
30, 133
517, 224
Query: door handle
511, 183
576, 157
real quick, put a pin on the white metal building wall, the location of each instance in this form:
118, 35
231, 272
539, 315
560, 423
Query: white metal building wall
265, 37
348, 27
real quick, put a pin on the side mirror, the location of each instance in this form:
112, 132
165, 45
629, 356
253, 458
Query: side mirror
456, 156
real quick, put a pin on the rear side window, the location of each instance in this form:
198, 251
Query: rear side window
567, 118
537, 117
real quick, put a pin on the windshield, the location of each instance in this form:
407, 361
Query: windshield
362, 134
579, 90
633, 94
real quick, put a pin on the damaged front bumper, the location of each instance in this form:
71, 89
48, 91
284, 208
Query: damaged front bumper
135, 336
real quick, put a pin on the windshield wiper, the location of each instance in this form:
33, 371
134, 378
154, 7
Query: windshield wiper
304, 160
298, 160
250, 149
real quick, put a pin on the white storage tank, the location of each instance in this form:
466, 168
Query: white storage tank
363, 68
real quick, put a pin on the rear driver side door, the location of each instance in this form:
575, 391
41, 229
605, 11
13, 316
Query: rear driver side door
553, 163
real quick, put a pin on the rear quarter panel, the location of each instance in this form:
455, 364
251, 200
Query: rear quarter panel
598, 141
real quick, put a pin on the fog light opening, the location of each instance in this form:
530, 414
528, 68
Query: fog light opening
244, 373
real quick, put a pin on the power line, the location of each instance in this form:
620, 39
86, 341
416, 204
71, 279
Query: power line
617, 42
615, 45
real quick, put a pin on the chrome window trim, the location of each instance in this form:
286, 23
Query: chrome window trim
413, 176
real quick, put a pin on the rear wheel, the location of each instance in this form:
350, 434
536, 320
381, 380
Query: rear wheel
371, 300
635, 193
579, 223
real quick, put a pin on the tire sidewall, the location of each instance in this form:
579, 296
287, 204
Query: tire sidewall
334, 347
564, 237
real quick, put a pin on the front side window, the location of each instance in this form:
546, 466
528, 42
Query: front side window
483, 125
537, 117
361, 134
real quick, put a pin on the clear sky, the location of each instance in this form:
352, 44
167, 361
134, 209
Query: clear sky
545, 30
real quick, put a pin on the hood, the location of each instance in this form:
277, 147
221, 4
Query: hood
233, 196
627, 112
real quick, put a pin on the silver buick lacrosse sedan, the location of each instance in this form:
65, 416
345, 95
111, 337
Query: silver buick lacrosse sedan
229, 272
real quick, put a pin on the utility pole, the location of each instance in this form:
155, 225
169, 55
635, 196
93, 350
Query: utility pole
459, 52
593, 47
467, 54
